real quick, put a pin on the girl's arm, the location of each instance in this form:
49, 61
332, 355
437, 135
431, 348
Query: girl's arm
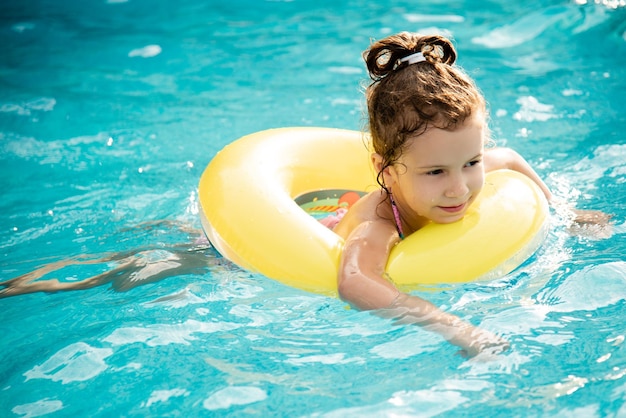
361, 282
497, 158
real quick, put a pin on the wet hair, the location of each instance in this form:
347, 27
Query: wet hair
406, 99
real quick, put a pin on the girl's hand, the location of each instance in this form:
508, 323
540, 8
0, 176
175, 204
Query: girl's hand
591, 224
591, 217
475, 341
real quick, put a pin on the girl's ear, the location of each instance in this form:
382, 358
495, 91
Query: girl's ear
387, 176
377, 161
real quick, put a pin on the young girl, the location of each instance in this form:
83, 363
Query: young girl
428, 127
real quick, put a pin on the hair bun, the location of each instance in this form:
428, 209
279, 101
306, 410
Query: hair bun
383, 56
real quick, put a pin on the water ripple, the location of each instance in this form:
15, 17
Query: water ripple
75, 363
234, 395
574, 294
524, 29
164, 334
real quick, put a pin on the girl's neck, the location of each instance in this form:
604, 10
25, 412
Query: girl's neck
403, 226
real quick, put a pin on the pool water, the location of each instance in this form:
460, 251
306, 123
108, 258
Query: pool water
109, 112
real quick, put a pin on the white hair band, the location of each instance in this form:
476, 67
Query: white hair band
413, 58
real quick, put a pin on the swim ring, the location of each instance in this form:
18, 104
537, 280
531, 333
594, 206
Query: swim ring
248, 194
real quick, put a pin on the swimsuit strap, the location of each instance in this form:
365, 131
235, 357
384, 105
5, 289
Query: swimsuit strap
396, 216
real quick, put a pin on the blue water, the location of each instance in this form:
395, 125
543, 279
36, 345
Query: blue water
109, 112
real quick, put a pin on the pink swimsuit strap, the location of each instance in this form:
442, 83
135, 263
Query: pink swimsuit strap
396, 216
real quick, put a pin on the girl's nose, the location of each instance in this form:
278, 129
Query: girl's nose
457, 186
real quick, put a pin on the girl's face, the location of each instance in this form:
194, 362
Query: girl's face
439, 174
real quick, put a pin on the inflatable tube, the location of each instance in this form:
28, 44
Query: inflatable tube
248, 210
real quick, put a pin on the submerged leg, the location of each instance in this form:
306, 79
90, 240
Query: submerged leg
133, 269
29, 283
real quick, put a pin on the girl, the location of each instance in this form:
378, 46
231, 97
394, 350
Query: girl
428, 126
427, 122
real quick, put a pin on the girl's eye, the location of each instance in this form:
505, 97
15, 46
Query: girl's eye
472, 163
434, 172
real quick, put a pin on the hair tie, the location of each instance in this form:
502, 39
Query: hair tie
412, 59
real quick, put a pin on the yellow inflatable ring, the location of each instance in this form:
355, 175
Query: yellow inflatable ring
250, 216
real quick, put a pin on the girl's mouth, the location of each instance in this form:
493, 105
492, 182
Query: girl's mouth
453, 209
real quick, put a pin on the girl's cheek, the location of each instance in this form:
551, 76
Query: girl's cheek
480, 182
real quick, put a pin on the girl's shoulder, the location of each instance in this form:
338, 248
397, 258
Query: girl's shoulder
373, 207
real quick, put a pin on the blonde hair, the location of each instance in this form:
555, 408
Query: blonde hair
405, 99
